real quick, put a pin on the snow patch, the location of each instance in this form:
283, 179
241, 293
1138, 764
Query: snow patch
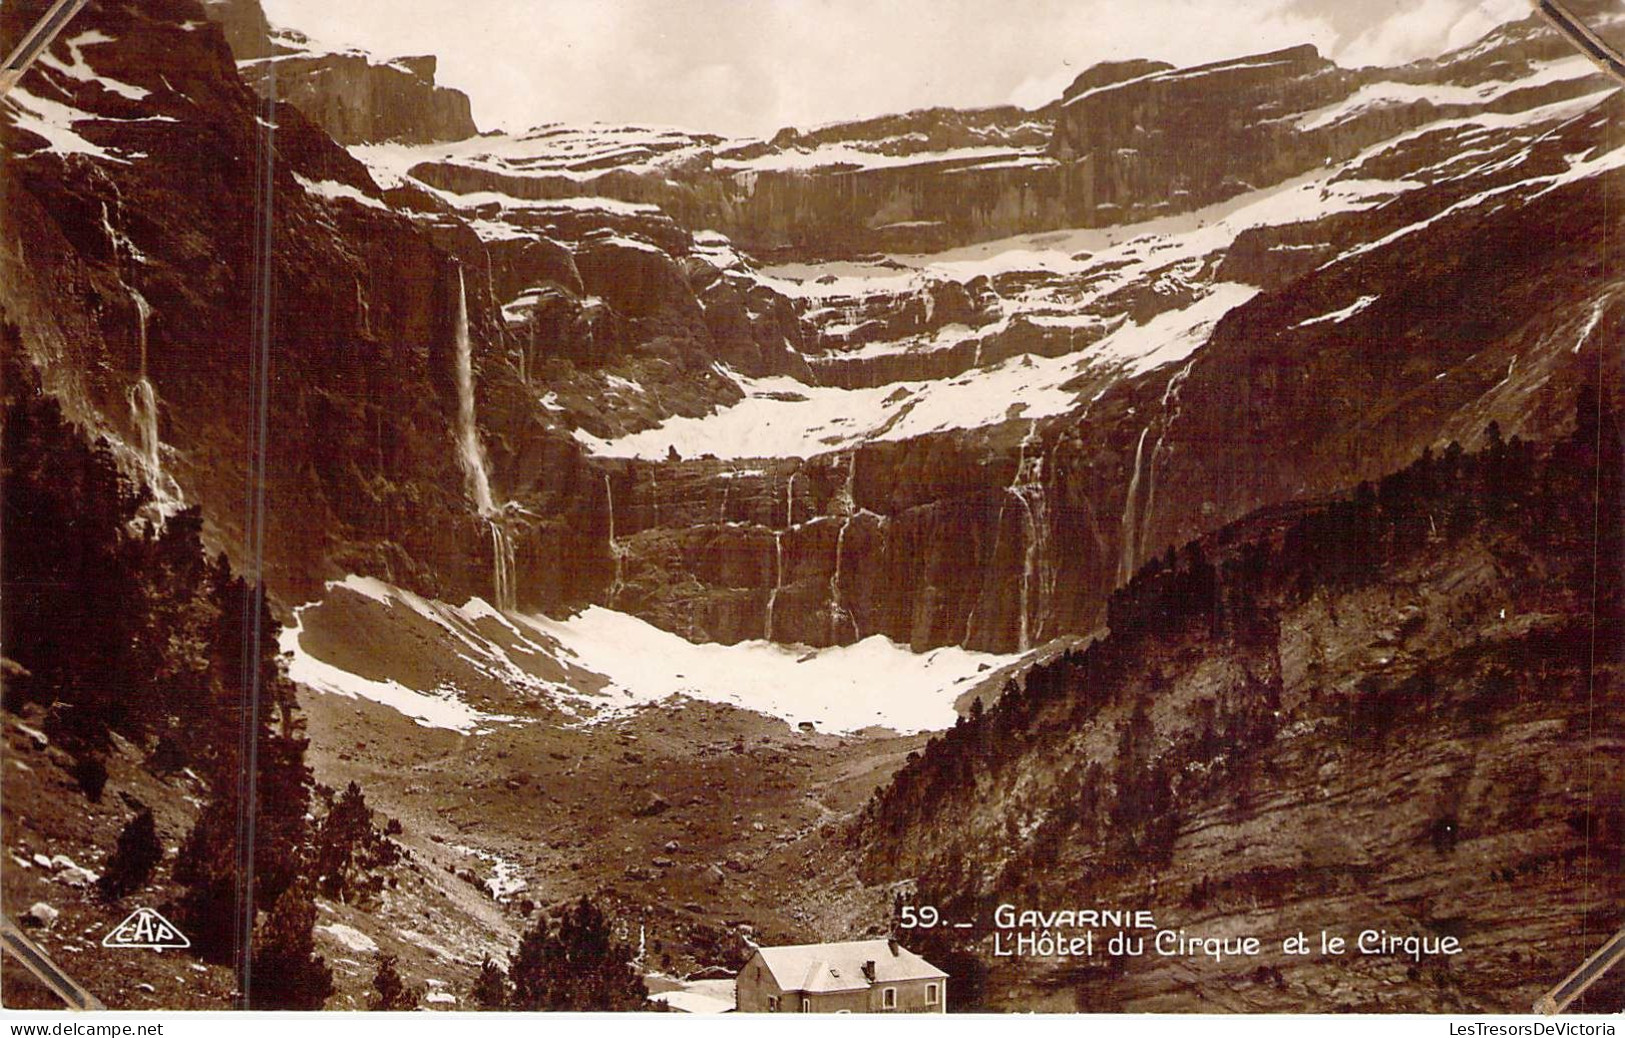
874, 682
333, 190
1169, 76
1585, 333
1387, 94
783, 418
847, 155
505, 880
439, 709
55, 122
1339, 316
78, 68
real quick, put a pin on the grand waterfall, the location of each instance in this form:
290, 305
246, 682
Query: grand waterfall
471, 455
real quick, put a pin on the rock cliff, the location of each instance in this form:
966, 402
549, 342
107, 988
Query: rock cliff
355, 98
968, 447
1378, 715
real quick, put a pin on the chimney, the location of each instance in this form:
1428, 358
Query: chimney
891, 942
869, 971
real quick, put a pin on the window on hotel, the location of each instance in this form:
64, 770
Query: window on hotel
930, 994
772, 1004
806, 1005
888, 998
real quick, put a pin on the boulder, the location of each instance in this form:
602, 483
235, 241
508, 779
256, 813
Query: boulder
655, 805
70, 873
40, 915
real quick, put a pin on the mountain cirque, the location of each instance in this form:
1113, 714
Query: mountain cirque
945, 377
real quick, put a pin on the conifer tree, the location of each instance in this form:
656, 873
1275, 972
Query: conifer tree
390, 993
490, 989
572, 963
287, 973
342, 833
133, 860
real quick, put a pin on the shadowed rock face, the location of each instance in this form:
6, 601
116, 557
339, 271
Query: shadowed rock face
604, 304
357, 101
354, 98
248, 34
1275, 749
360, 362
987, 442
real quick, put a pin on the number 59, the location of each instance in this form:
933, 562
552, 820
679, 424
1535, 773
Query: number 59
925, 917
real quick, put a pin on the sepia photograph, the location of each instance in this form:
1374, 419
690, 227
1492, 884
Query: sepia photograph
812, 506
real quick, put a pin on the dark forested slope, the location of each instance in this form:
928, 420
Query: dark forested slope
1396, 709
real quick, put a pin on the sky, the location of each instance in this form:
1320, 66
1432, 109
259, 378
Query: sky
750, 67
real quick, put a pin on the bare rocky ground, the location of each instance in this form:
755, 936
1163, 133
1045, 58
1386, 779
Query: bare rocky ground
55, 837
699, 825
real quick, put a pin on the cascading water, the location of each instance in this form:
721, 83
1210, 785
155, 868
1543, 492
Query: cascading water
838, 612
469, 450
143, 312
847, 504
525, 352
491, 288
142, 394
144, 413
1125, 567
616, 551
502, 554
472, 457
363, 308
778, 582
144, 399
1590, 325
1027, 487
123, 247
1024, 637
1170, 395
981, 340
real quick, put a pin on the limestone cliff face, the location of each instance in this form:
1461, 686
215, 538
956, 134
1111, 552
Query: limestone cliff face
1127, 142
359, 101
248, 33
142, 266
1289, 397
1165, 140
998, 441
353, 97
